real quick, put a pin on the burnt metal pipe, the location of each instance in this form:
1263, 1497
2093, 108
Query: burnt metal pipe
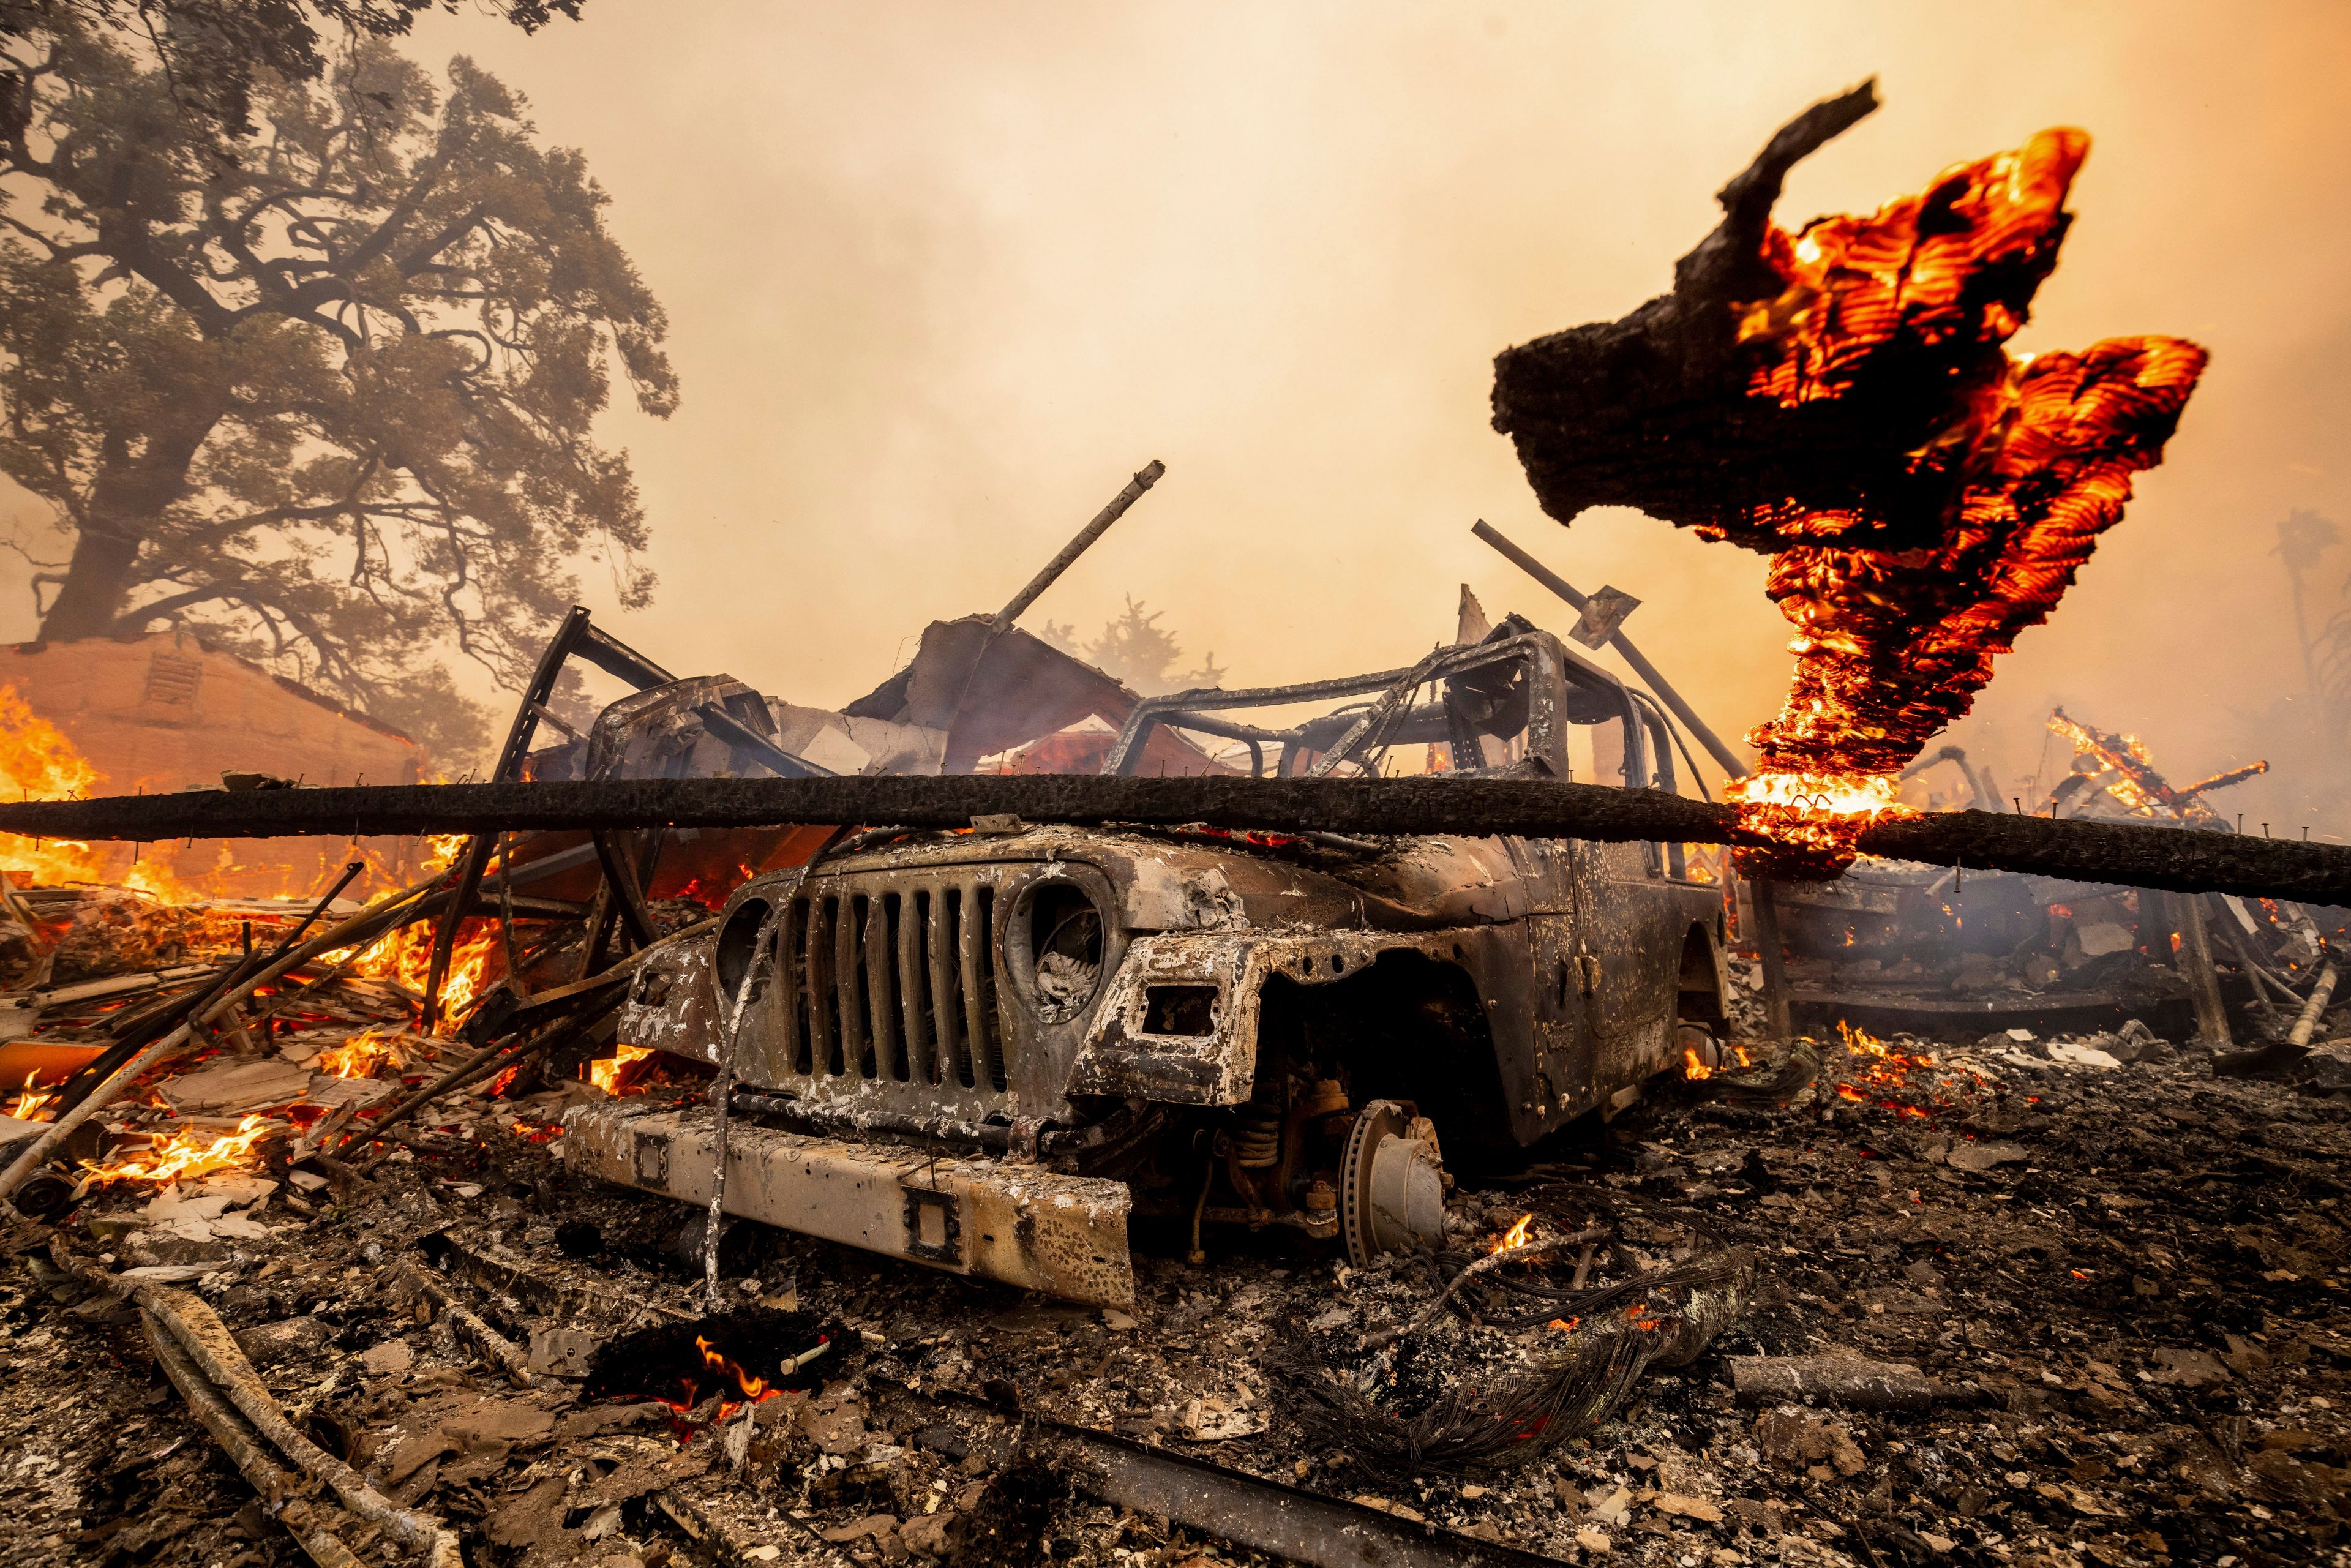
1077, 547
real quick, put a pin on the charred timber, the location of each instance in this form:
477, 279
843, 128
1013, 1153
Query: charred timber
2127, 854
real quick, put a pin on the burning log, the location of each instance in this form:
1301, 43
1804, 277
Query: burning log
1841, 399
2129, 854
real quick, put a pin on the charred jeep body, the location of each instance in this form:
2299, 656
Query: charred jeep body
984, 1050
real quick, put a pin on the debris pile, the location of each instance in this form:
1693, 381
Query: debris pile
1992, 1302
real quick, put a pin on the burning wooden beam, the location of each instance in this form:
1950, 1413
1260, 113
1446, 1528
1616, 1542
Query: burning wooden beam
2126, 853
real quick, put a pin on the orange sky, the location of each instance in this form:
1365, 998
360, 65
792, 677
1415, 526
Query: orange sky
941, 276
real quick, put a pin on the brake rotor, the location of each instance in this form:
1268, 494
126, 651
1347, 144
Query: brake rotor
1391, 1183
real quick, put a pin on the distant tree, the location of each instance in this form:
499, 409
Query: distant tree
2302, 538
1138, 651
330, 397
211, 50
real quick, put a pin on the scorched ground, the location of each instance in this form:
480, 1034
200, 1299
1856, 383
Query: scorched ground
2123, 1281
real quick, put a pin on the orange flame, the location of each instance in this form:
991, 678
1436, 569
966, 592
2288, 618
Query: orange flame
1514, 1237
404, 957
1810, 819
360, 1055
32, 1105
606, 1072
38, 763
690, 1395
1901, 601
186, 1153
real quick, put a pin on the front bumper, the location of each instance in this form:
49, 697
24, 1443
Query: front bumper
1061, 1235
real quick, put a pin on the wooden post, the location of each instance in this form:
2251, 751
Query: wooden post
2195, 961
2155, 926
1774, 957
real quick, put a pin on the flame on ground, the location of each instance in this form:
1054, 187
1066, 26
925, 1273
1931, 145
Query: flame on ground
404, 957
38, 763
1695, 1069
1515, 1237
753, 1389
362, 1055
186, 1153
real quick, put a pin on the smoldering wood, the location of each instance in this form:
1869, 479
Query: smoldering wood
2126, 854
1846, 1381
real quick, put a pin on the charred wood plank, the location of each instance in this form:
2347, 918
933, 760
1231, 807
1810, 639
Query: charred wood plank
2126, 853
1850, 1382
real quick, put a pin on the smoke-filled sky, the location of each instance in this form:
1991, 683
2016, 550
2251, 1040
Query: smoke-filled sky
941, 276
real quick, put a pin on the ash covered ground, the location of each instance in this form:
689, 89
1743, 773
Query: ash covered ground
2125, 1281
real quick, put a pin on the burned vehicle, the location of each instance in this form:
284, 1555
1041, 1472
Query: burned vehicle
986, 1049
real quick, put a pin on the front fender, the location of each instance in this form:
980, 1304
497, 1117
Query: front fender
1178, 1024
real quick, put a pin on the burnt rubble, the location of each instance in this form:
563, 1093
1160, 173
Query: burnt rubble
2107, 1290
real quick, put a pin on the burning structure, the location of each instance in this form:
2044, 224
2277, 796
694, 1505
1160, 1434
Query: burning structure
1842, 400
166, 712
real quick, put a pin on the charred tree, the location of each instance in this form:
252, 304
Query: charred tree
1841, 399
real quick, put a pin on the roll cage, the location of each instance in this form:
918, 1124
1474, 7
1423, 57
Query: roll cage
1500, 707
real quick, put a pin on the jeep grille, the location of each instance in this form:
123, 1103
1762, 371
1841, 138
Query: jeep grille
891, 983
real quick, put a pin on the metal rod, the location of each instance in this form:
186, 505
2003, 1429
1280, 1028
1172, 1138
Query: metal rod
1077, 547
1733, 765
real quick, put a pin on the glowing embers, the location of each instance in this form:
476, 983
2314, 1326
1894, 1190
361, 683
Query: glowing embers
2118, 767
187, 1154
1809, 821
1901, 1078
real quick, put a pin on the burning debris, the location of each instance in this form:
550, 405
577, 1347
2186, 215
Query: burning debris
1841, 399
